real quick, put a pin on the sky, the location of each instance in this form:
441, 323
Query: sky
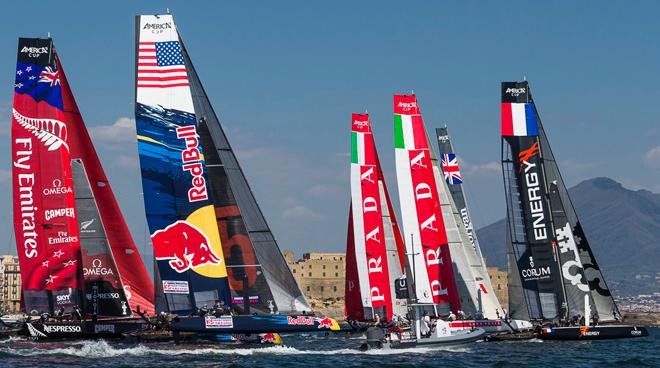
284, 78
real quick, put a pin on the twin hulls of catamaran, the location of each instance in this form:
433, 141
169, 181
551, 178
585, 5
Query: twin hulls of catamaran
212, 245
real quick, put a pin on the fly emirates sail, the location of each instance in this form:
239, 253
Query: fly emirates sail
25, 182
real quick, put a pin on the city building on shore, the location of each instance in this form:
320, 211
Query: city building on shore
320, 275
10, 284
499, 280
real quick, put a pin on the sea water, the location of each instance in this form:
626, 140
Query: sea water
334, 351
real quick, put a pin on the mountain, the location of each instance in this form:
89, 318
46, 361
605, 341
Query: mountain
623, 228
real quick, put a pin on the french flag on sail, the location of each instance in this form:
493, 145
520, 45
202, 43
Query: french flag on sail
519, 119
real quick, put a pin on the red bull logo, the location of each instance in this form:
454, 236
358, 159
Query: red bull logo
184, 245
268, 338
325, 323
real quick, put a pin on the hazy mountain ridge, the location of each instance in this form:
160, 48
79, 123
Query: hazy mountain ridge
622, 226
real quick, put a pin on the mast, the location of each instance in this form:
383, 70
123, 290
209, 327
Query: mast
453, 182
528, 214
420, 208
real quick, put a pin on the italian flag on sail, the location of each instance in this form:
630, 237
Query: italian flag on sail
368, 231
423, 225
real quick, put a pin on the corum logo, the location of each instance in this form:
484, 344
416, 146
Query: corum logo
407, 106
34, 51
184, 245
52, 133
515, 92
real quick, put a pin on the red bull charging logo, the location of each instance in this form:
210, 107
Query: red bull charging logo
185, 246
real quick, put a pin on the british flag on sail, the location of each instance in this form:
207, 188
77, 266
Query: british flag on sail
160, 65
450, 169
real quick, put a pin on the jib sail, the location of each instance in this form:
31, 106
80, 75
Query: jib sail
375, 261
180, 213
423, 225
481, 293
579, 270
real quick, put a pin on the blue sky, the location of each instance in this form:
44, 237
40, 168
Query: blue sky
285, 77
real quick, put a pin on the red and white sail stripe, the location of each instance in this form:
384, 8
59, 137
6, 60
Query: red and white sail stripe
423, 225
369, 238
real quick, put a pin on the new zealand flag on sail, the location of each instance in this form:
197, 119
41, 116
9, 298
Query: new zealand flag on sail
36, 72
40, 82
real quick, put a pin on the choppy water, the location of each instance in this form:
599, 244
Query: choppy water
334, 351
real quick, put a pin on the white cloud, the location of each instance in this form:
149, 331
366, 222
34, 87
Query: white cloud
301, 212
486, 168
121, 131
651, 158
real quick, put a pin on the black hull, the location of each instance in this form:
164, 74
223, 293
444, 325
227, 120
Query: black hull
254, 324
80, 330
593, 333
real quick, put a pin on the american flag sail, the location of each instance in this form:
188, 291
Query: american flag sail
450, 169
160, 65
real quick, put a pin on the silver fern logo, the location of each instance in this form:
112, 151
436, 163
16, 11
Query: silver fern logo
52, 133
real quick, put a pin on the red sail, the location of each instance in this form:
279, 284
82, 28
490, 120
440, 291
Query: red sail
354, 310
45, 222
137, 284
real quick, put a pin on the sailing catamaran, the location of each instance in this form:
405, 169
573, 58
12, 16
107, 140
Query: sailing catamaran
374, 249
211, 241
478, 300
433, 288
76, 254
553, 275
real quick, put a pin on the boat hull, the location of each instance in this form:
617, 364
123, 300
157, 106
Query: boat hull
491, 326
79, 330
457, 338
254, 324
592, 333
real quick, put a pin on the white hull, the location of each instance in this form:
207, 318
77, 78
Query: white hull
491, 326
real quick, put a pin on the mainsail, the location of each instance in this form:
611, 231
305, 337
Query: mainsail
423, 225
482, 296
555, 263
375, 246
255, 267
64, 203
